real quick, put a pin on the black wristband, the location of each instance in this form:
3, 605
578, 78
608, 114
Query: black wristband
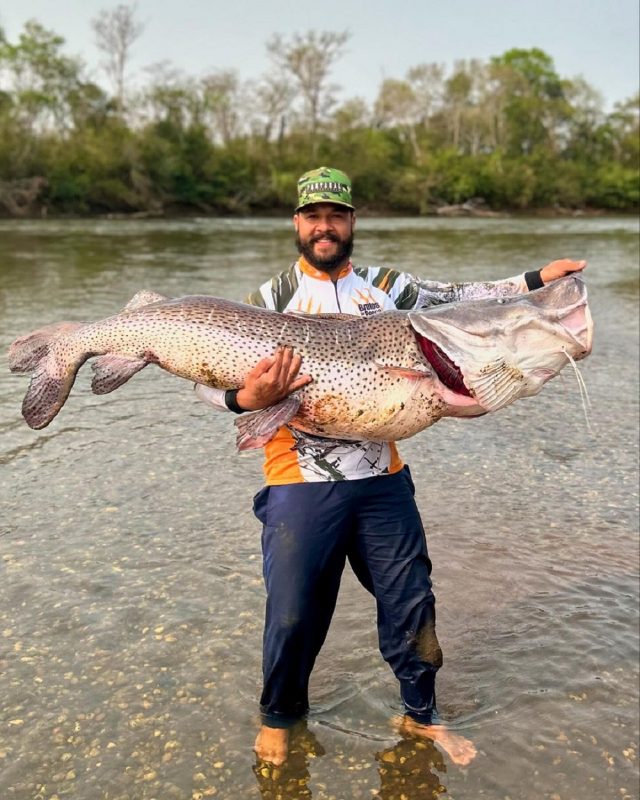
231, 401
534, 279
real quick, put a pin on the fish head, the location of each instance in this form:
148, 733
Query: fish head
501, 349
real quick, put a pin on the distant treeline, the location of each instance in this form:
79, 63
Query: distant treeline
507, 134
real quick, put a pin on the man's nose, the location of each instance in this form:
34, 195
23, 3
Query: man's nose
324, 224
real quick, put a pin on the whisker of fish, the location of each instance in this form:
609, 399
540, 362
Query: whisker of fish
584, 394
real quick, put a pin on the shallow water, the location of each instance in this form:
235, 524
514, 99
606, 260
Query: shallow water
131, 598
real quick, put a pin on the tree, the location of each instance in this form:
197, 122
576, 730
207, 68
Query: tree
309, 59
534, 101
116, 30
274, 96
411, 104
460, 101
426, 81
398, 105
624, 122
222, 104
587, 137
39, 77
170, 99
37, 98
352, 115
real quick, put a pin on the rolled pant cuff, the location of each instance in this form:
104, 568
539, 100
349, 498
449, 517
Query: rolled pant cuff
423, 717
278, 720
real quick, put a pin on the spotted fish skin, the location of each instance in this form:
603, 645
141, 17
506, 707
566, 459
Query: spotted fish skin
371, 379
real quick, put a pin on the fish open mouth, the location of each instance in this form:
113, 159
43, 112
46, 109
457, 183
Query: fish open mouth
447, 371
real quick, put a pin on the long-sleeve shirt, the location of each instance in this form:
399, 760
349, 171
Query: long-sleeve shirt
362, 291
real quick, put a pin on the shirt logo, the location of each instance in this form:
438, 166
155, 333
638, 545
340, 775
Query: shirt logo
368, 309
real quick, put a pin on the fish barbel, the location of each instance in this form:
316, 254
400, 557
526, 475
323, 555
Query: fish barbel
381, 378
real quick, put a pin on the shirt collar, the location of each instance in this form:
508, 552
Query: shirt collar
318, 274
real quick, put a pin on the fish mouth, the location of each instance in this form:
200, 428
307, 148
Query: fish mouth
448, 371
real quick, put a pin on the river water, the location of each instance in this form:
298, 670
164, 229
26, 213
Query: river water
131, 597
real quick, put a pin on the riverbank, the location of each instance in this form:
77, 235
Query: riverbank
547, 212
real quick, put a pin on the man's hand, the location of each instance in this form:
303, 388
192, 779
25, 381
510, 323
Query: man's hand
558, 269
271, 380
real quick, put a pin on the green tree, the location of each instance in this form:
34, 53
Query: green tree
534, 103
40, 78
39, 97
397, 106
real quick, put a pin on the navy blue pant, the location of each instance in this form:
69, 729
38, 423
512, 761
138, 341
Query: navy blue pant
309, 531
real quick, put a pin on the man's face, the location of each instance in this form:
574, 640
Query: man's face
324, 235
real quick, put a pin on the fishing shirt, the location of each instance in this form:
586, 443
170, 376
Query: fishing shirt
292, 456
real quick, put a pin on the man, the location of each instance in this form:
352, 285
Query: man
352, 501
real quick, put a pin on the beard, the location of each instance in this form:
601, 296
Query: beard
328, 263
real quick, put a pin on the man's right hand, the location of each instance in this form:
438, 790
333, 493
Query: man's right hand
271, 380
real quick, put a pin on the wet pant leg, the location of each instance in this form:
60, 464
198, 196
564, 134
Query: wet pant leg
305, 530
388, 553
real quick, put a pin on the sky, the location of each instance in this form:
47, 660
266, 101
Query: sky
595, 39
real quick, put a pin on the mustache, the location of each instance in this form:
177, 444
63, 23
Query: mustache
331, 236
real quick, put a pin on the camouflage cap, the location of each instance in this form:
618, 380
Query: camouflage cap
324, 185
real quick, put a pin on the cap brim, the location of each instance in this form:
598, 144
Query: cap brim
326, 202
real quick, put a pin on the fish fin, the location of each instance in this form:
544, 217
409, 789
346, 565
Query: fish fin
403, 372
53, 366
46, 394
26, 352
53, 370
144, 298
111, 371
259, 427
498, 385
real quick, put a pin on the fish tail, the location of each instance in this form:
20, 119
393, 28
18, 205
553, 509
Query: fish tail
26, 352
53, 360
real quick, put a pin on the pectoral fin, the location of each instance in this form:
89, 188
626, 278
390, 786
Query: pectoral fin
110, 372
497, 385
259, 427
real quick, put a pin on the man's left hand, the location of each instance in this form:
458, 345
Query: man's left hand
558, 269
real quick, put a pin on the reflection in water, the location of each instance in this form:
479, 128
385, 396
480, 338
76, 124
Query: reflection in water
291, 780
407, 771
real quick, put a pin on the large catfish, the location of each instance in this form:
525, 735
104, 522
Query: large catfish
381, 378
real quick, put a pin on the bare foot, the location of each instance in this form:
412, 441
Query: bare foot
460, 750
272, 745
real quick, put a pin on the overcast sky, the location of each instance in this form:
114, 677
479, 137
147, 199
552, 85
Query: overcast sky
597, 39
